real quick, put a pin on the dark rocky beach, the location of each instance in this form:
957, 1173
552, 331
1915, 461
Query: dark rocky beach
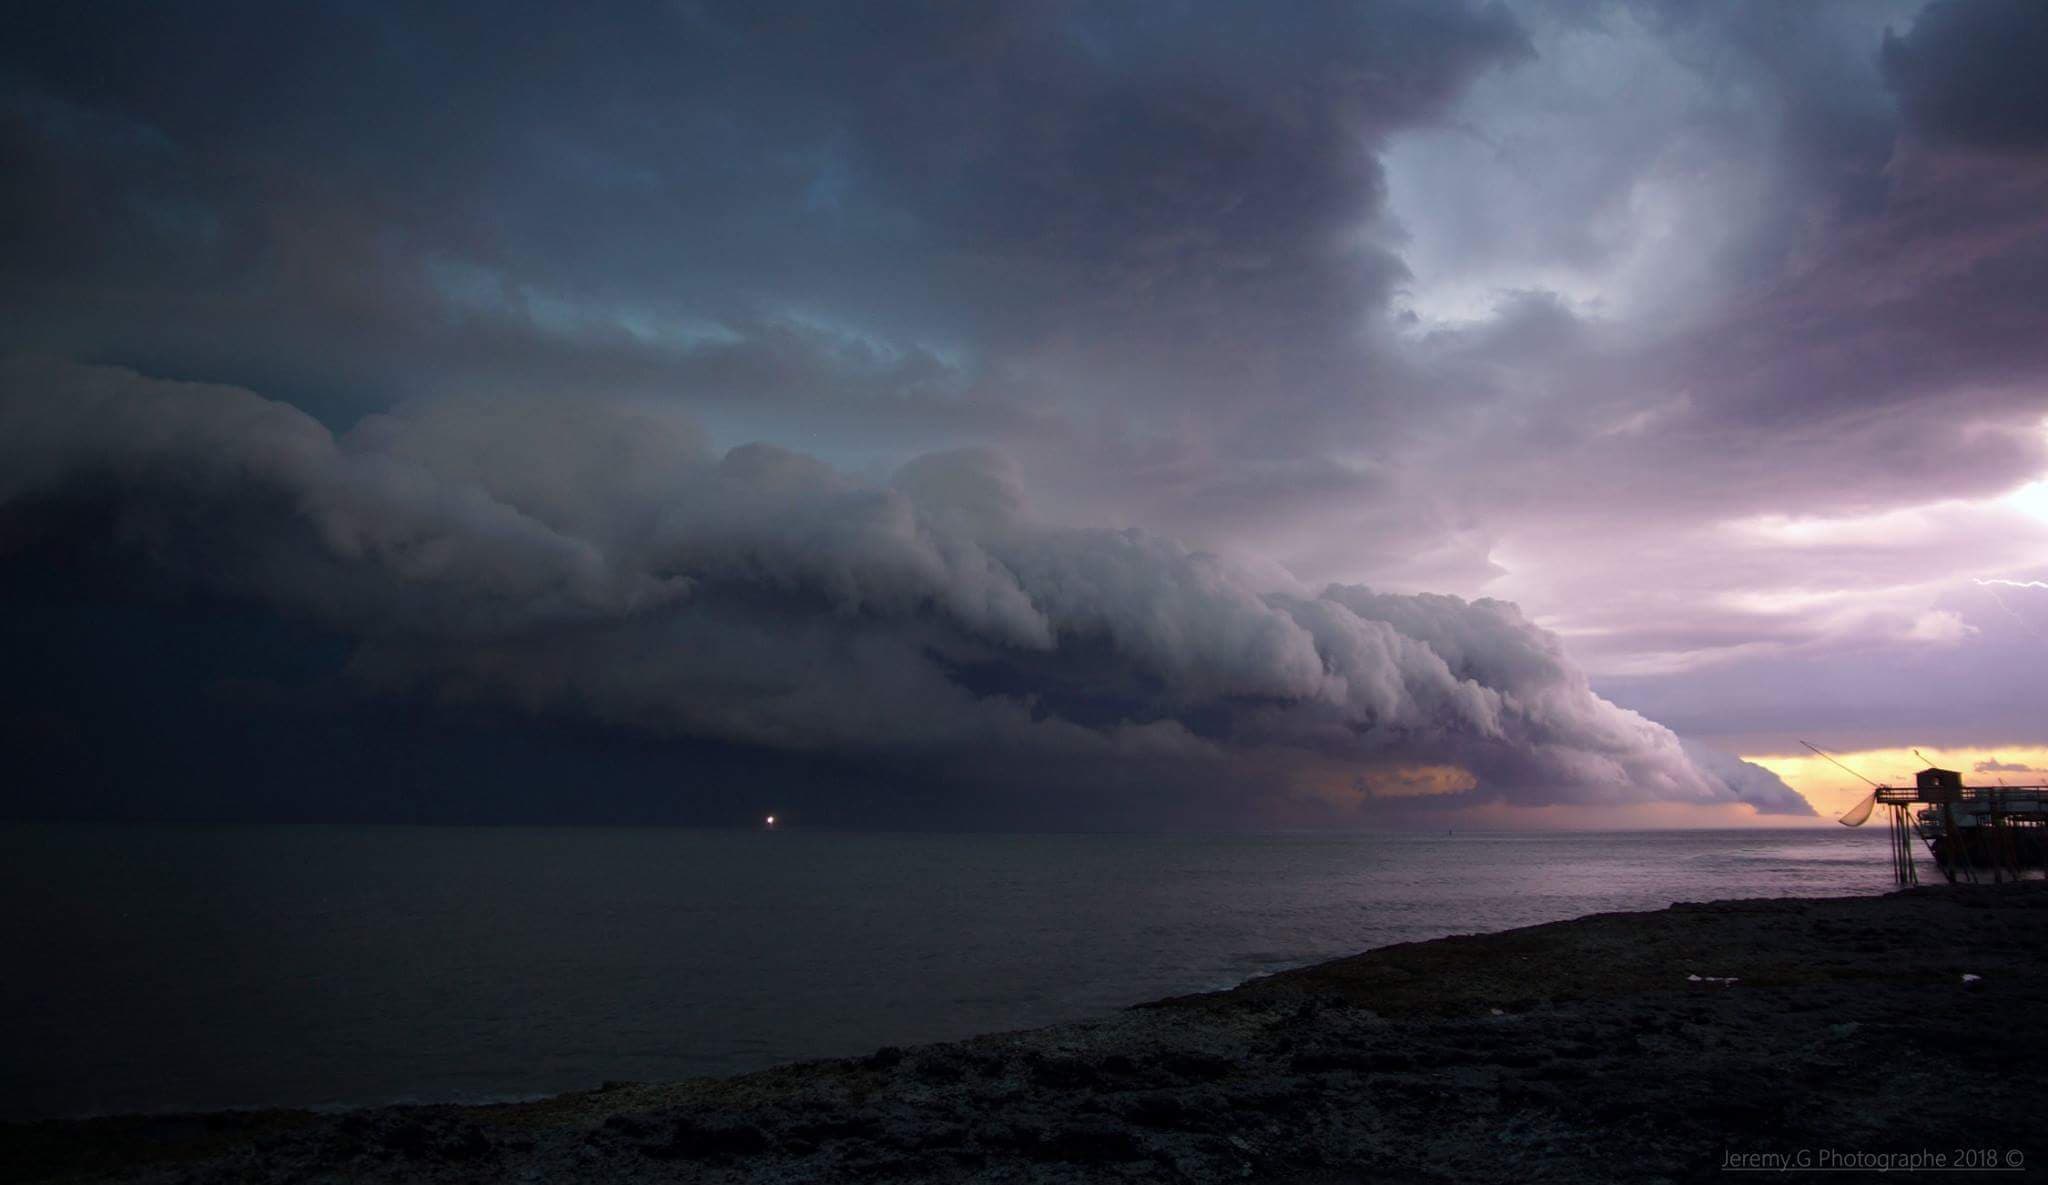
1620, 1047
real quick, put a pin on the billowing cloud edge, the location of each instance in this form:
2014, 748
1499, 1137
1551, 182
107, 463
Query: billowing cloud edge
598, 558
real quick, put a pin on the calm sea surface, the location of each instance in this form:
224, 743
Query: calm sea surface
185, 967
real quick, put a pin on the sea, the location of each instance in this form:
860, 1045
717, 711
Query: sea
155, 968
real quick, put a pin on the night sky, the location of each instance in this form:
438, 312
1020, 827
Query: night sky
1021, 415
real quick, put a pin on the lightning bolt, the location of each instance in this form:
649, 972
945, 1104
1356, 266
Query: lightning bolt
1991, 586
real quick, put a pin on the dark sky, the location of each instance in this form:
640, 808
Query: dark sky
1016, 414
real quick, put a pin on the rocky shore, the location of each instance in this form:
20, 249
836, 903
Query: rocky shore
1620, 1047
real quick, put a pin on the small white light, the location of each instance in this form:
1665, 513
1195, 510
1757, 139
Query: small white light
771, 820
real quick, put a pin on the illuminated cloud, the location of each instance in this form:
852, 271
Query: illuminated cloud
610, 565
1711, 336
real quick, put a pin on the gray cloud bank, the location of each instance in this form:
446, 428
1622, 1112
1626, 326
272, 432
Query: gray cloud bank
1711, 334
602, 561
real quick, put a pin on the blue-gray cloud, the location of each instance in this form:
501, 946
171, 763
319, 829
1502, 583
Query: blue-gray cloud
1550, 301
608, 565
1970, 72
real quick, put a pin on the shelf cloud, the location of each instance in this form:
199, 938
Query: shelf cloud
611, 564
1086, 362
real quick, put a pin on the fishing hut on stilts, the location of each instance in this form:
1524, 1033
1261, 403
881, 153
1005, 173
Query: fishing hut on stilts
1976, 834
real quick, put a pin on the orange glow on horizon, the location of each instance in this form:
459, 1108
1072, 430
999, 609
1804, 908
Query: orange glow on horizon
1832, 791
1629, 816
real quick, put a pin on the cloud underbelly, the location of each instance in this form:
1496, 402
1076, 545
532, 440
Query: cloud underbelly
599, 560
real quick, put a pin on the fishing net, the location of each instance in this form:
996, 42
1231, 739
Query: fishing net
1855, 815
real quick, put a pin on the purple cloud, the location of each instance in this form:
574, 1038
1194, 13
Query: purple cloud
610, 565
1096, 361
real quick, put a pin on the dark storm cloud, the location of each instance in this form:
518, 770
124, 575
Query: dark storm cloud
1971, 72
601, 562
416, 181
1589, 306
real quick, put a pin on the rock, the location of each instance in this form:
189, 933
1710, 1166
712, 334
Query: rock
1196, 1066
1062, 1073
1629, 1074
1161, 1110
408, 1139
697, 1140
938, 1069
1088, 1144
